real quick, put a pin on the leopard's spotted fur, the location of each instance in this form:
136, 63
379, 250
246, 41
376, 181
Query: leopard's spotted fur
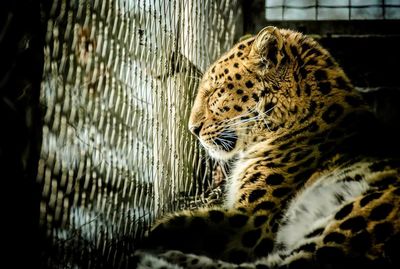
309, 187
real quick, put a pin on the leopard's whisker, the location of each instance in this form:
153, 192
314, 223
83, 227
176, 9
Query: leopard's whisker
226, 140
223, 169
266, 123
224, 144
251, 111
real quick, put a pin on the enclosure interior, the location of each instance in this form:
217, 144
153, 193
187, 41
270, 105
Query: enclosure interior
110, 105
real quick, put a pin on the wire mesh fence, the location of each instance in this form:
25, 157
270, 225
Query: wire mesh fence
119, 79
332, 10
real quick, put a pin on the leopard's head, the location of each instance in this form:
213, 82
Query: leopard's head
267, 85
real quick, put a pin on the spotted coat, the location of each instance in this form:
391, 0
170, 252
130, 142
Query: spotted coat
308, 188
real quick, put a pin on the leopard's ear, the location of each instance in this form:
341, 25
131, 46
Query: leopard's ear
268, 44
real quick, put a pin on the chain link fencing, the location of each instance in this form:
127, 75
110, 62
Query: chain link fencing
118, 83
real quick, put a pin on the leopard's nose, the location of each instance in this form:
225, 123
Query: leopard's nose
195, 129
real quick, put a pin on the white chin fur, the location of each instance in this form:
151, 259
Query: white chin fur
219, 155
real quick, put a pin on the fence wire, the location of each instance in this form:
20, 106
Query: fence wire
332, 10
119, 80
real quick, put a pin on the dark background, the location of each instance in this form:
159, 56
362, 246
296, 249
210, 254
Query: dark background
21, 54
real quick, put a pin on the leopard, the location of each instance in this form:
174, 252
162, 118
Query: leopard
312, 185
